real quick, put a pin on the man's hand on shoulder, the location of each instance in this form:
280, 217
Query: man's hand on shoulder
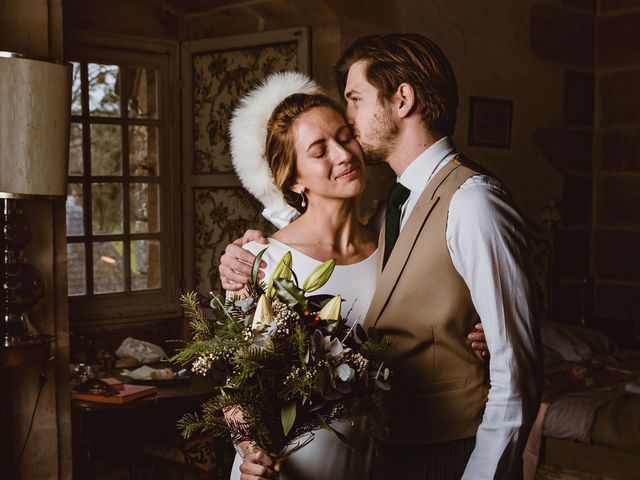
236, 262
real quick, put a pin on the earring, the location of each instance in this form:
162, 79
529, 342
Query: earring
303, 203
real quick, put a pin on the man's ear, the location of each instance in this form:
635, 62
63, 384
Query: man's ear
405, 100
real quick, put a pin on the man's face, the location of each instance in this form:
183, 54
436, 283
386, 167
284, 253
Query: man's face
372, 120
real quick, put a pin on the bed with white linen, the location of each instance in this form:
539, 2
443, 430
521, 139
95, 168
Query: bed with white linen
589, 419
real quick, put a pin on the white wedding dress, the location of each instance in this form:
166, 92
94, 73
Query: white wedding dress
326, 457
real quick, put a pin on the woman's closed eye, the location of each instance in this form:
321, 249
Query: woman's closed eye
318, 151
318, 148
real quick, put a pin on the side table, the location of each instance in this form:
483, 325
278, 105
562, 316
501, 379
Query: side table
102, 430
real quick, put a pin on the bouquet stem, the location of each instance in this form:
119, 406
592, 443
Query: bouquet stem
283, 455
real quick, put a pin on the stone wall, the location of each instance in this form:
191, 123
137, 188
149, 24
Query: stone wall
564, 32
597, 150
616, 173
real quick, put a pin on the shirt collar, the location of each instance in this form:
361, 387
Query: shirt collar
416, 176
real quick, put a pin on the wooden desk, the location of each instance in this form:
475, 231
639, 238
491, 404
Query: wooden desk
104, 430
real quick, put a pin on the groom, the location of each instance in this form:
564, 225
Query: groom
454, 252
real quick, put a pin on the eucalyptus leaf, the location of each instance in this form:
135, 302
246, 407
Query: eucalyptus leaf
256, 265
345, 373
244, 304
319, 276
382, 385
288, 417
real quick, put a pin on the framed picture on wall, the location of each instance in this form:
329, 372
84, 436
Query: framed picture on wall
490, 122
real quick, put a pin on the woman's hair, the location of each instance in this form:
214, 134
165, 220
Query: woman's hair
280, 148
410, 58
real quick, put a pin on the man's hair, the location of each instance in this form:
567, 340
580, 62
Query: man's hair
280, 148
410, 58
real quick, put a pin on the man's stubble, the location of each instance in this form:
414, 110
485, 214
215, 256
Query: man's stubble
383, 132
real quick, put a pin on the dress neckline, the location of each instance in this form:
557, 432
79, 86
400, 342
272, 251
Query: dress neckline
289, 247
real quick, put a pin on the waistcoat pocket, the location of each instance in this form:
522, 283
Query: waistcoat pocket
427, 388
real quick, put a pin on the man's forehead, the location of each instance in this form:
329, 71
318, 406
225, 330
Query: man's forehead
356, 79
357, 71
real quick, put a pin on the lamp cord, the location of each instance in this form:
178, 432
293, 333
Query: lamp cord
42, 379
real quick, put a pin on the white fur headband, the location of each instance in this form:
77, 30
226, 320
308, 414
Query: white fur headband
248, 131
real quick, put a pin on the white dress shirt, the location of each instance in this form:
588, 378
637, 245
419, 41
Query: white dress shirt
488, 247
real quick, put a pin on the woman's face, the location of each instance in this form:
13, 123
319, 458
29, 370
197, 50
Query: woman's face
329, 160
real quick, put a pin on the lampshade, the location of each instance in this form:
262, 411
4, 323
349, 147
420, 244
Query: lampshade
35, 98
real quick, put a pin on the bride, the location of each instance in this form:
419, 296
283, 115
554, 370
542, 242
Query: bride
313, 166
295, 152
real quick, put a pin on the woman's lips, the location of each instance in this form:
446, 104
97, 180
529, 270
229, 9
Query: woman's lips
350, 173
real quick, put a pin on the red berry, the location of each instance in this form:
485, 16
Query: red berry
317, 319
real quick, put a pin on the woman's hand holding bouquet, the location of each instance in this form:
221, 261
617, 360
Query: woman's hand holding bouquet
289, 363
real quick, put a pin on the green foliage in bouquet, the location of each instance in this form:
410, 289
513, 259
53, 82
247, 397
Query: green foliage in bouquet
286, 361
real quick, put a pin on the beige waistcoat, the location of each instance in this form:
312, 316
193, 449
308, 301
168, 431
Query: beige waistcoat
423, 305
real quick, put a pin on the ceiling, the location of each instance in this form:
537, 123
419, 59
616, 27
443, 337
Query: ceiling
194, 7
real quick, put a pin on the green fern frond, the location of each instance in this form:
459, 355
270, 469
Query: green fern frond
190, 424
198, 321
254, 353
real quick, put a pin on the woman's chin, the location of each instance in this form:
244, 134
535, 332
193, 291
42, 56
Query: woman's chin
355, 192
360, 189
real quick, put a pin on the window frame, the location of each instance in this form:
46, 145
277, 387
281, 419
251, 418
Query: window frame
143, 305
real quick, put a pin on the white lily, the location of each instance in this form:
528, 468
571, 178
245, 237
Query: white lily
331, 310
282, 270
319, 276
263, 315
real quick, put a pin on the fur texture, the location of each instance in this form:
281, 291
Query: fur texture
248, 132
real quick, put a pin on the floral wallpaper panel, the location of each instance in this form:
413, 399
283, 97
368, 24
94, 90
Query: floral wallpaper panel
220, 79
221, 215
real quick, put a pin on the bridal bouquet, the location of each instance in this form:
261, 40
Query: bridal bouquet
288, 363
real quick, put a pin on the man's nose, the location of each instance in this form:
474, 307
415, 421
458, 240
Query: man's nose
350, 117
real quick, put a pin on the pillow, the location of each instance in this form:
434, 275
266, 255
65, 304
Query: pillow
574, 344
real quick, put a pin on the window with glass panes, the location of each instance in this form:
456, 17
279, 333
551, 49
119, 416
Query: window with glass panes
115, 236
